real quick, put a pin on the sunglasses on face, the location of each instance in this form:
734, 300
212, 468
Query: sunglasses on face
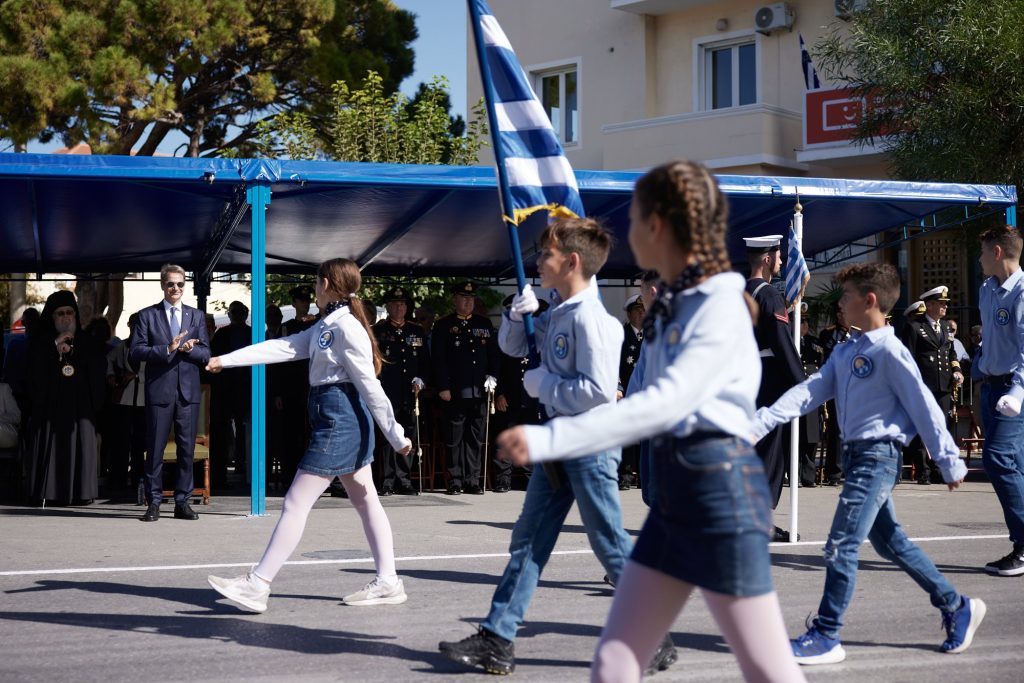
172, 285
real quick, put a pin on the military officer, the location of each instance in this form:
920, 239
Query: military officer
830, 337
403, 345
464, 349
812, 356
780, 364
514, 406
633, 338
931, 345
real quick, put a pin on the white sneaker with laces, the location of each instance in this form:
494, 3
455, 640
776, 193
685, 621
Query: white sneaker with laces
378, 592
246, 590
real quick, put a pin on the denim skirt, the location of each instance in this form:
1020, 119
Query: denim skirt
342, 438
712, 518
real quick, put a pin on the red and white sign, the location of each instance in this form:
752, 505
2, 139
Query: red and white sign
831, 116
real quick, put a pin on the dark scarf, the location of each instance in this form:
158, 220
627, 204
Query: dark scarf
333, 306
661, 309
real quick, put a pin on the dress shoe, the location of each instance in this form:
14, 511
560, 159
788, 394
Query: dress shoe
808, 485
406, 490
152, 513
386, 490
502, 487
185, 511
474, 490
454, 489
782, 536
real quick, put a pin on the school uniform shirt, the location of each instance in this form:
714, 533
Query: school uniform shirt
879, 396
339, 350
701, 374
579, 345
1002, 324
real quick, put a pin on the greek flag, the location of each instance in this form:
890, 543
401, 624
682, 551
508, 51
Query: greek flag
529, 155
797, 275
810, 73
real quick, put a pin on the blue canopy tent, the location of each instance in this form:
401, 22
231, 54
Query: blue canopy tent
107, 214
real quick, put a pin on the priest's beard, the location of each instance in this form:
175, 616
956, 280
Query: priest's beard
68, 327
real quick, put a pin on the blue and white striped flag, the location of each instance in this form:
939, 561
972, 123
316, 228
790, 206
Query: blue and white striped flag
538, 174
810, 73
797, 275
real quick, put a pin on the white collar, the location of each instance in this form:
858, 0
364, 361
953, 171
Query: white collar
168, 306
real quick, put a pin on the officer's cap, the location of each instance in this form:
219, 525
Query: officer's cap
916, 308
398, 294
633, 302
542, 305
940, 293
301, 292
465, 288
763, 244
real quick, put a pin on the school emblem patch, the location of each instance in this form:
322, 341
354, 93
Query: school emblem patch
862, 366
1003, 316
561, 346
326, 337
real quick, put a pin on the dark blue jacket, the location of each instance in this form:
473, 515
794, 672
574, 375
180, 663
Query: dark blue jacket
167, 375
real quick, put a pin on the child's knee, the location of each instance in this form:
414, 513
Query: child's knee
614, 661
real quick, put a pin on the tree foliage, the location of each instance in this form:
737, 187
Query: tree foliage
946, 85
122, 74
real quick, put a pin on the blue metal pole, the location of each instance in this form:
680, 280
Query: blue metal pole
1011, 215
504, 193
258, 196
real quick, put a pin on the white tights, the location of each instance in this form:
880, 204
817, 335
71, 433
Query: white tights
646, 604
306, 488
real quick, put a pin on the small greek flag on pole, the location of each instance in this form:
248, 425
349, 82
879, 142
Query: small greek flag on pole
797, 274
529, 155
810, 73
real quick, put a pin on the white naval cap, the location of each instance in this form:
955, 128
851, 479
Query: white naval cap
632, 301
940, 293
765, 243
915, 308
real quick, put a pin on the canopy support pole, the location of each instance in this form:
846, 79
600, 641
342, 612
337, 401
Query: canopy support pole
258, 198
34, 202
230, 218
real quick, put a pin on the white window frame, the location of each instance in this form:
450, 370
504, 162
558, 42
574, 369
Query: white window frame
702, 48
538, 72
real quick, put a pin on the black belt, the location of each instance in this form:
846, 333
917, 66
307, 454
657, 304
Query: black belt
998, 380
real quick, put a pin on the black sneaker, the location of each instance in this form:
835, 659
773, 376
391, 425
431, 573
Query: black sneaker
665, 657
495, 654
1011, 565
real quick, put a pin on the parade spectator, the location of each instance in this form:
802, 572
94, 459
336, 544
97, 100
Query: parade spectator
633, 339
231, 400
66, 380
128, 446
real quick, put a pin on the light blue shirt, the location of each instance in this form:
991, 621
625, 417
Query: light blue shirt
879, 397
1002, 327
701, 373
579, 344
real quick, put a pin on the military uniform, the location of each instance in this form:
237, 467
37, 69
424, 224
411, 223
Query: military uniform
404, 353
812, 357
632, 340
931, 346
831, 337
780, 370
464, 352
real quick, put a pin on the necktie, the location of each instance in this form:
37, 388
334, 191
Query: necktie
175, 325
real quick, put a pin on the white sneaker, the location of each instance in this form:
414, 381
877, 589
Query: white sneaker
246, 590
378, 592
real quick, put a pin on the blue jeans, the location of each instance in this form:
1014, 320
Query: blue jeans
593, 482
866, 510
1003, 458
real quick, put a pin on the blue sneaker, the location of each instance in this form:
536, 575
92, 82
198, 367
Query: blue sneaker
814, 647
961, 625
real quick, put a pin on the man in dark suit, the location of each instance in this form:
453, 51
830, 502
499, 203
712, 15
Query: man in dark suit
931, 344
171, 339
780, 363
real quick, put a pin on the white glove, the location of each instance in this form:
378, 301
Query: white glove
523, 303
490, 383
532, 379
417, 384
1008, 406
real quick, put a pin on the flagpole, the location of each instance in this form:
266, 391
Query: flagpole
504, 194
794, 445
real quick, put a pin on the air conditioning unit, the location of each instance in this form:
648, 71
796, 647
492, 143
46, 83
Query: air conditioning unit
772, 17
845, 8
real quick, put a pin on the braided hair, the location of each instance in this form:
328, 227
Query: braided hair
686, 196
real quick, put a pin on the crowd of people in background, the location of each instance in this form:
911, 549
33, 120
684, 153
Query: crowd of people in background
466, 388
